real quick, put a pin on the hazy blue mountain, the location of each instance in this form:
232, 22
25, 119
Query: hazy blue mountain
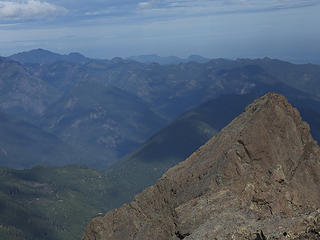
153, 58
103, 120
23, 145
61, 75
22, 93
301, 76
166, 91
197, 58
170, 90
42, 56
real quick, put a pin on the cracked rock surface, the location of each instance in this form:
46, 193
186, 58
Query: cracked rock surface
259, 178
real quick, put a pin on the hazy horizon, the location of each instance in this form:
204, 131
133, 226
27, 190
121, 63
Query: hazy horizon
282, 29
295, 61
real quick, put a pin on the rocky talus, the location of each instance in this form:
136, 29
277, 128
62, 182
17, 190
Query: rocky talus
258, 179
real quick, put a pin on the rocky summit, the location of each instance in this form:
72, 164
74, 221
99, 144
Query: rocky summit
257, 179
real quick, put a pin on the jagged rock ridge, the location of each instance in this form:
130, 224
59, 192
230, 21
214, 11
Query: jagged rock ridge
257, 179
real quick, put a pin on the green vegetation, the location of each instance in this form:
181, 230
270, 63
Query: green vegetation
49, 202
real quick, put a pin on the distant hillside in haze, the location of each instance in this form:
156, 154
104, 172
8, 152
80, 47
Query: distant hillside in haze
23, 94
105, 121
171, 90
301, 76
153, 58
23, 145
44, 57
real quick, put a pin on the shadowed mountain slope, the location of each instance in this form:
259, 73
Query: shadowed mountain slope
259, 177
171, 145
23, 145
301, 76
21, 93
180, 139
102, 120
173, 89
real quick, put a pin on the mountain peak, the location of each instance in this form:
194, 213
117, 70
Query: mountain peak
273, 102
44, 56
40, 50
272, 99
261, 172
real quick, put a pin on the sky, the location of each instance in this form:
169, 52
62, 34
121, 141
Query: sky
284, 29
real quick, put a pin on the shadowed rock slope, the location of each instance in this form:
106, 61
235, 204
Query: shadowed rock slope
257, 179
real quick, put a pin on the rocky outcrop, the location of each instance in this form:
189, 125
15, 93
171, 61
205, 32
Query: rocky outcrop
257, 179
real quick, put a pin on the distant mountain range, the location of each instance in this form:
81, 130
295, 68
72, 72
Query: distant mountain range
42, 56
109, 108
173, 89
153, 58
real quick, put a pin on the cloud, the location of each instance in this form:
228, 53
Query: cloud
30, 9
97, 13
143, 5
147, 5
198, 7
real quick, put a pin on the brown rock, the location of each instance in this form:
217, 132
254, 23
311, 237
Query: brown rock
257, 179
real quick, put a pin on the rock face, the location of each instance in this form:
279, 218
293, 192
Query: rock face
257, 179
